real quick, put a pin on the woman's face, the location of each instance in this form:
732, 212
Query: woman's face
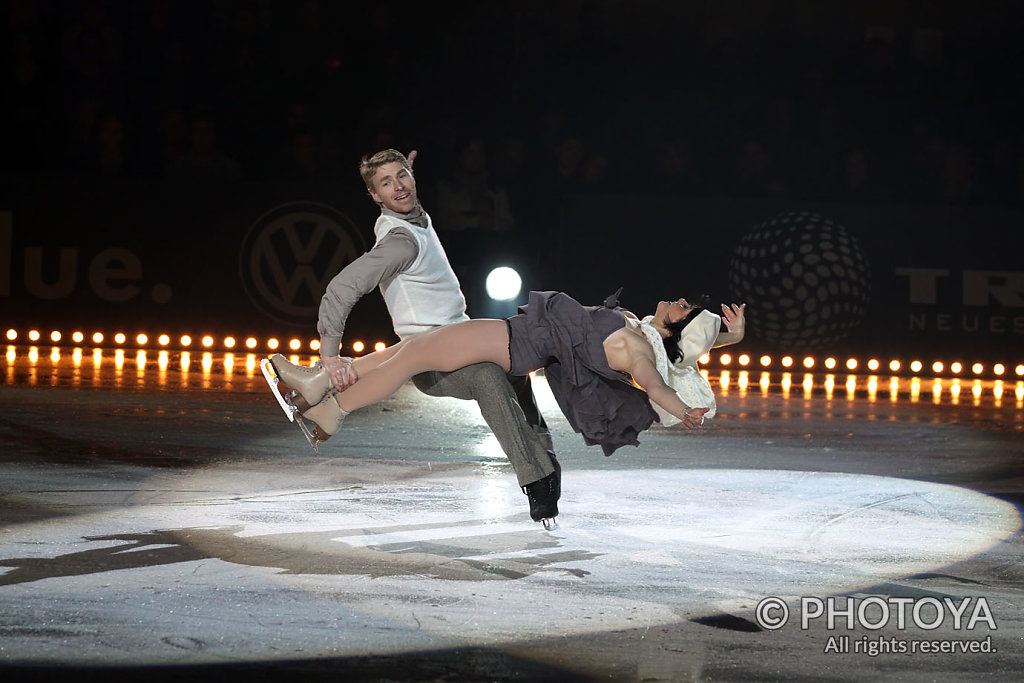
673, 311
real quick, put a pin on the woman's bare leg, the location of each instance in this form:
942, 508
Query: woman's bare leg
445, 348
368, 362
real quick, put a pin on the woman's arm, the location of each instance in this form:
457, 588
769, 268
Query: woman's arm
735, 324
628, 351
647, 376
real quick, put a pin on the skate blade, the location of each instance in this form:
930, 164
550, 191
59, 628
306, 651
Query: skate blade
310, 436
268, 373
549, 523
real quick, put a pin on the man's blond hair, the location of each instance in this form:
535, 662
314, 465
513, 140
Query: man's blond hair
369, 165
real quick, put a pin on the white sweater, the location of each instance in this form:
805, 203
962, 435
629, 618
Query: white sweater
427, 293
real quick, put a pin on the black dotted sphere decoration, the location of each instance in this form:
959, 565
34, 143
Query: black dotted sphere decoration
804, 279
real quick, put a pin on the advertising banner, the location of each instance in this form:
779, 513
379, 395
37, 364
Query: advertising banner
251, 258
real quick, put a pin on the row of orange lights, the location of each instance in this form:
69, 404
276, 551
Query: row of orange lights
940, 392
184, 341
873, 364
725, 359
742, 381
954, 389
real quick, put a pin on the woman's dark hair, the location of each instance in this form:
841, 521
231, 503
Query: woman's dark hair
676, 329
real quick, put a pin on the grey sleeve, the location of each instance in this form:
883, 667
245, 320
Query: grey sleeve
393, 254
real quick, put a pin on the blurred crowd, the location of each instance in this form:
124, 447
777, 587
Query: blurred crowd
514, 104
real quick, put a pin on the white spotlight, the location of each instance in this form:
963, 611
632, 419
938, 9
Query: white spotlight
503, 284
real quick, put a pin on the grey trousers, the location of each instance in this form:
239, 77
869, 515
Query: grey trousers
509, 409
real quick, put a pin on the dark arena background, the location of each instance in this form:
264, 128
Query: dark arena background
180, 183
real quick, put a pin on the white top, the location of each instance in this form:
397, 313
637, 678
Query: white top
683, 376
427, 293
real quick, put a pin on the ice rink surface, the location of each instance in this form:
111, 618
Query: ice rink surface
161, 520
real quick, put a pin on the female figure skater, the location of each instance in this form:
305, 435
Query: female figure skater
604, 366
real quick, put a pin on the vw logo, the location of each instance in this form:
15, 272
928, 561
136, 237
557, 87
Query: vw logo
291, 253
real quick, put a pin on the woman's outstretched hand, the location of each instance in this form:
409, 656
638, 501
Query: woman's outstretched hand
734, 318
694, 417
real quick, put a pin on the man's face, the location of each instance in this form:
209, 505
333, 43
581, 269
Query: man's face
394, 187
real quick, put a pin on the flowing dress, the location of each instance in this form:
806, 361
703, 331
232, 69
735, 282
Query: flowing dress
554, 332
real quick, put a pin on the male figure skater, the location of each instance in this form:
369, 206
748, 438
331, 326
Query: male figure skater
409, 265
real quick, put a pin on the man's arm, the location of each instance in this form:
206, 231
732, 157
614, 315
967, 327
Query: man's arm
393, 254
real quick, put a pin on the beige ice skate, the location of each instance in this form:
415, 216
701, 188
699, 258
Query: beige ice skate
308, 385
326, 418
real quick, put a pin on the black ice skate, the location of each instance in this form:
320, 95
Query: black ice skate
325, 417
543, 495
